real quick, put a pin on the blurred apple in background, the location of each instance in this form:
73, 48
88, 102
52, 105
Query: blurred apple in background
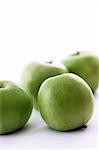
86, 66
35, 73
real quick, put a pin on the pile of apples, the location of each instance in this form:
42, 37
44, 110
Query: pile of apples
63, 94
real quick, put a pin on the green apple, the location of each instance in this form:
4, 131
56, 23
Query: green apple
35, 73
86, 66
65, 102
15, 107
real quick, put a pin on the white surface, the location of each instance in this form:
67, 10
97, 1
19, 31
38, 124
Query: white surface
37, 134
43, 30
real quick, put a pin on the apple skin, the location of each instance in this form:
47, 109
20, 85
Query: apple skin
65, 102
86, 66
35, 73
15, 107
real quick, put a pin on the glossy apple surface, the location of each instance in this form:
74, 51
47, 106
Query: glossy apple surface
86, 66
65, 102
15, 107
35, 73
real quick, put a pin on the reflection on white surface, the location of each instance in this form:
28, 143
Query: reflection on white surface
37, 134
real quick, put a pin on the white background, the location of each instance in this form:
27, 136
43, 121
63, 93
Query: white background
46, 30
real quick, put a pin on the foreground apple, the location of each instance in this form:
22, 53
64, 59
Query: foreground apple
86, 66
65, 102
35, 73
15, 107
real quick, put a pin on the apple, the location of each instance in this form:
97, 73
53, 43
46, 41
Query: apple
35, 73
86, 66
65, 102
15, 107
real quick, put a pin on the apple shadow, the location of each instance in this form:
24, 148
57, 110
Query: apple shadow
82, 128
19, 131
46, 128
34, 129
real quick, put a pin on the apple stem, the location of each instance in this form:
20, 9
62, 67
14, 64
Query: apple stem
77, 53
49, 62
